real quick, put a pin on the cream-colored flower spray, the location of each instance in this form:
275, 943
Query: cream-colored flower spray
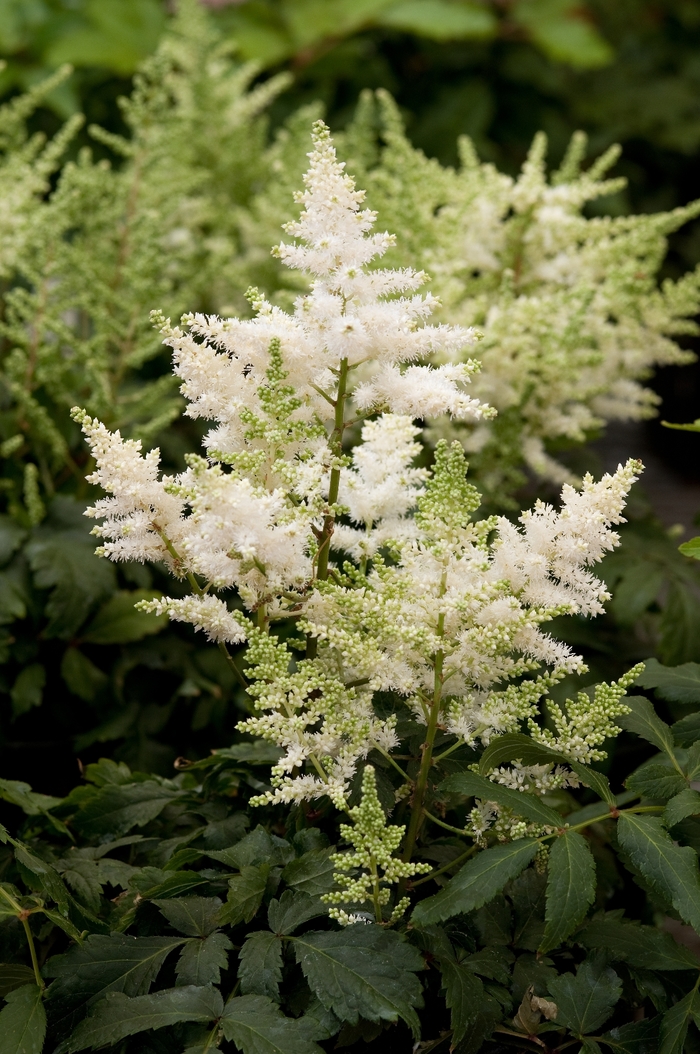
391, 583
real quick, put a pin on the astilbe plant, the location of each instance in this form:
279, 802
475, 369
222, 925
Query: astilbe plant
393, 652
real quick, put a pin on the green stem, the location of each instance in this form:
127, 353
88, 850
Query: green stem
427, 759
446, 753
441, 823
387, 755
28, 933
444, 868
375, 890
335, 443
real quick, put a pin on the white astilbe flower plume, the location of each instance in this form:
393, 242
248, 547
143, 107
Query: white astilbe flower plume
440, 613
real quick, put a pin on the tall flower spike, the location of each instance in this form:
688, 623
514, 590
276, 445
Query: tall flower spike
352, 315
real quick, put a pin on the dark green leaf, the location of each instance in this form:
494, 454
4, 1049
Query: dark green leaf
256, 1026
463, 994
514, 746
23, 1022
255, 848
28, 689
41, 876
586, 1001
674, 1024
21, 794
656, 781
687, 730
102, 964
311, 873
256, 753
570, 887
116, 809
527, 894
687, 803
118, 1015
477, 882
533, 808
65, 563
168, 884
82, 676
245, 894
260, 972
439, 19
293, 910
118, 622
638, 1037
202, 960
362, 970
641, 946
678, 684
13, 975
195, 916
670, 869
11, 537
644, 722
13, 599
491, 962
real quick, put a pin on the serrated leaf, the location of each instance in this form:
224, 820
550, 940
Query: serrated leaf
523, 804
656, 782
478, 881
102, 964
311, 873
293, 910
644, 721
194, 916
677, 684
118, 621
586, 1001
641, 946
256, 1026
514, 746
674, 1024
21, 794
687, 803
23, 1021
14, 975
463, 995
117, 1015
41, 876
671, 869
527, 894
65, 562
638, 1037
202, 960
168, 884
687, 730
245, 894
362, 970
116, 809
260, 972
255, 848
570, 888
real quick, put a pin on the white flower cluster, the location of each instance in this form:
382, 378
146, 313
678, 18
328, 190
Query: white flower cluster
569, 307
440, 609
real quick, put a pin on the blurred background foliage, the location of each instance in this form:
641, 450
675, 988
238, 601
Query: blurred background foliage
498, 70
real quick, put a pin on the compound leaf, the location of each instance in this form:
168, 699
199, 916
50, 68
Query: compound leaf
202, 960
362, 970
671, 869
260, 972
585, 1001
257, 1026
115, 809
477, 882
311, 873
118, 1015
293, 910
641, 946
23, 1021
570, 887
245, 894
194, 916
463, 994
523, 804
